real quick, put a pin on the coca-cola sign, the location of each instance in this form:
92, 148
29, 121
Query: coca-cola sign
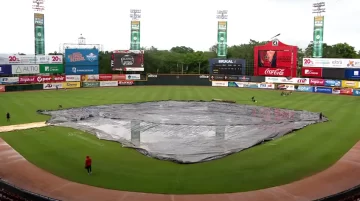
317, 82
277, 72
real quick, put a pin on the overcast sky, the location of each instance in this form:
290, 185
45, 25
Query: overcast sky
169, 23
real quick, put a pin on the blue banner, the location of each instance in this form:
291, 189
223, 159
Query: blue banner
324, 90
81, 70
82, 57
251, 85
305, 89
352, 73
356, 92
332, 83
5, 70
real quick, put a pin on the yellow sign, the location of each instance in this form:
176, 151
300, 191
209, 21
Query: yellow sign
349, 84
84, 78
67, 85
222, 25
319, 21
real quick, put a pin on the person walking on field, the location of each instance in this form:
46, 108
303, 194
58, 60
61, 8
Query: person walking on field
8, 116
88, 164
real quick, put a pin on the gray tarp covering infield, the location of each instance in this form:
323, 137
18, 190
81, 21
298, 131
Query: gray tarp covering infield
184, 132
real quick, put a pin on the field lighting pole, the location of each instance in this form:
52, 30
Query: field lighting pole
319, 8
318, 37
221, 50
38, 7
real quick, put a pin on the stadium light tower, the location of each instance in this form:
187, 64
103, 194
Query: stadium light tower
135, 14
38, 5
222, 15
319, 8
39, 38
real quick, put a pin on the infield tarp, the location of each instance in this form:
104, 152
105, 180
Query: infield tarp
184, 132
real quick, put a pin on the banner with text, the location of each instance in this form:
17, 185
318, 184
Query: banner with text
53, 86
73, 78
9, 80
52, 68
108, 83
352, 73
331, 63
135, 35
39, 33
311, 72
356, 92
318, 36
94, 77
219, 83
127, 60
81, 70
132, 76
25, 69
324, 90
349, 84
285, 72
304, 88
125, 83
41, 79
317, 82
82, 57
69, 85
332, 83
30, 59
222, 39
284, 80
90, 84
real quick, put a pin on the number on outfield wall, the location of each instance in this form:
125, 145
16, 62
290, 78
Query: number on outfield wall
12, 58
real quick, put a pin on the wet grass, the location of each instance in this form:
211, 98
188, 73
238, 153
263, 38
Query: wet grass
62, 150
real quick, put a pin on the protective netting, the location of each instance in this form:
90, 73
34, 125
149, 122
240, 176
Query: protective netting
184, 132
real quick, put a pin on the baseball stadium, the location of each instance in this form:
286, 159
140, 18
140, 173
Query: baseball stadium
84, 124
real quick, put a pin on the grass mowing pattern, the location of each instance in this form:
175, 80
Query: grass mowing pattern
282, 161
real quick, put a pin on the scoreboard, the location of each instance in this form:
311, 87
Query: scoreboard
227, 69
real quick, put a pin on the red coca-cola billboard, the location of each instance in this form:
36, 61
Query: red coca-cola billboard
311, 72
126, 83
346, 91
275, 55
317, 82
274, 72
105, 77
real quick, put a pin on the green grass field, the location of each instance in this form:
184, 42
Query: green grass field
282, 161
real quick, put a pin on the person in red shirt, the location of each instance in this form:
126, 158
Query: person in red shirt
88, 164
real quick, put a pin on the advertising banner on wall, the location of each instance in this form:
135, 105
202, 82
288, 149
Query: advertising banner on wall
219, 83
85, 78
118, 77
69, 85
346, 91
332, 83
325, 90
9, 80
132, 76
318, 36
356, 92
53, 86
106, 77
288, 87
349, 84
73, 78
25, 69
125, 83
81, 70
5, 70
331, 63
222, 39
30, 59
266, 86
135, 35
352, 73
311, 72
90, 84
283, 72
317, 82
82, 57
108, 83
39, 33
2, 88
284, 80
40, 79
334, 73
51, 68
121, 60
304, 88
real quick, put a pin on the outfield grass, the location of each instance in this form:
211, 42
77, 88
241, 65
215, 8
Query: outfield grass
290, 158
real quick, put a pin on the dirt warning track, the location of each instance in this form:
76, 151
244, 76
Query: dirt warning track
15, 169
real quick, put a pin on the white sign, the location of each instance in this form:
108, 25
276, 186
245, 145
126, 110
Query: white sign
9, 80
108, 83
30, 59
219, 84
133, 77
73, 78
93, 77
52, 86
331, 63
286, 87
25, 69
266, 86
151, 75
294, 80
134, 69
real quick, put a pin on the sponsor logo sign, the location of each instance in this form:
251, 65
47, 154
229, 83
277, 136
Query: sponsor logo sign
125, 83
133, 69
305, 88
356, 92
244, 78
325, 90
9, 80
352, 73
51, 68
317, 82
90, 84
81, 70
253, 85
336, 90
83, 57
219, 84
105, 77
53, 86
25, 69
331, 63
133, 77
85, 78
151, 75
2, 88
277, 72
68, 85
5, 70
204, 76
27, 79
73, 78
286, 87
311, 72
284, 80
118, 77
30, 59
346, 91
332, 83
349, 84
231, 77
266, 86
108, 83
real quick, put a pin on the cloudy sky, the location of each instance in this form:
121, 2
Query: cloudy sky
168, 23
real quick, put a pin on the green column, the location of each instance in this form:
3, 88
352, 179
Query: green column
222, 39
39, 34
318, 37
135, 35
